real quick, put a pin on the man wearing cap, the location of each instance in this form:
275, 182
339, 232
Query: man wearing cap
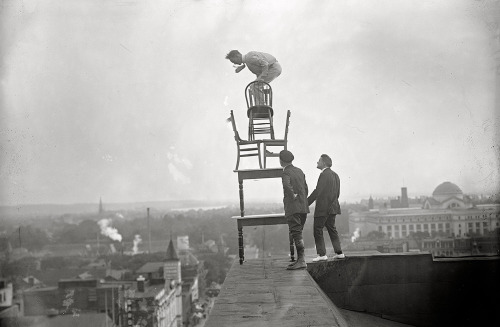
295, 202
327, 207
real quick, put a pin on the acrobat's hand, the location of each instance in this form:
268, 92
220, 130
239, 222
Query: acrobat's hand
239, 68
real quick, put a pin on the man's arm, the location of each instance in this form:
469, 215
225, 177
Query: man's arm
305, 183
312, 197
320, 188
239, 68
287, 186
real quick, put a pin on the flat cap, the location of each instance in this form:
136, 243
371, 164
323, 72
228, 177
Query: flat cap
286, 156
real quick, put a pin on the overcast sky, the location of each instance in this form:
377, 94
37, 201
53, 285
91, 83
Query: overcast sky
127, 99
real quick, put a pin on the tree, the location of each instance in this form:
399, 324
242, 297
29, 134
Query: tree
29, 237
375, 235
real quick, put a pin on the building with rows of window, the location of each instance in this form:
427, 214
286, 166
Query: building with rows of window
446, 213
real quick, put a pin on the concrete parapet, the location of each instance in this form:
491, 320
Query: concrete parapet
413, 288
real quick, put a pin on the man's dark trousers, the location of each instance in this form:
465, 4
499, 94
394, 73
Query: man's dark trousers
329, 223
296, 225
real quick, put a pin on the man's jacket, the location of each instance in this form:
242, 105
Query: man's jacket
294, 182
326, 194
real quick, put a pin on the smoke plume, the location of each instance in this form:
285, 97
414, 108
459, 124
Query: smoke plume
137, 241
109, 231
355, 236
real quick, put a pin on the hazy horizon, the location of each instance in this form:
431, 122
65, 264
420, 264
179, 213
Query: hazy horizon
127, 100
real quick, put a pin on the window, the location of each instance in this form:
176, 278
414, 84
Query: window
419, 227
412, 227
380, 228
440, 227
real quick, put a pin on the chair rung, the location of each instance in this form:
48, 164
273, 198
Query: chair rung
249, 155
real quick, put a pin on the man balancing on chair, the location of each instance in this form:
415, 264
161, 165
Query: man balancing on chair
295, 202
263, 65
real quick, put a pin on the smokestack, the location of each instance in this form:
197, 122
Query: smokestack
404, 198
149, 234
140, 283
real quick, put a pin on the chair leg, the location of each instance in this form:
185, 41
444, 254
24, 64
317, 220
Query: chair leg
271, 126
250, 127
237, 159
258, 151
265, 156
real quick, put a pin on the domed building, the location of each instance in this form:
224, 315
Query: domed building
447, 214
446, 196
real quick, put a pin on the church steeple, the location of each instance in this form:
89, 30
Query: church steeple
172, 265
171, 252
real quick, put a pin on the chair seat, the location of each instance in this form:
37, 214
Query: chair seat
261, 111
273, 142
245, 142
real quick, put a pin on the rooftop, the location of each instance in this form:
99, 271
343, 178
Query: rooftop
262, 293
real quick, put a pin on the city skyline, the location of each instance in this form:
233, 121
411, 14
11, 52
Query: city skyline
128, 100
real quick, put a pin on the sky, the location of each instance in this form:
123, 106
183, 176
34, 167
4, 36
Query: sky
127, 100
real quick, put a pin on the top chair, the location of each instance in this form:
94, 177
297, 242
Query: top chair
259, 98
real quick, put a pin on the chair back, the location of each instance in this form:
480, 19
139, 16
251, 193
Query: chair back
288, 114
258, 93
233, 123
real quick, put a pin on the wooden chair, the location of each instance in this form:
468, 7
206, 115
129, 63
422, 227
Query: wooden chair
245, 148
259, 98
276, 142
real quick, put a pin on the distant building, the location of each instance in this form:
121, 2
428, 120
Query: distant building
7, 306
153, 301
446, 213
156, 301
78, 320
189, 266
447, 196
401, 202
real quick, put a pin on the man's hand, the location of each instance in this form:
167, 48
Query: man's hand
239, 68
295, 196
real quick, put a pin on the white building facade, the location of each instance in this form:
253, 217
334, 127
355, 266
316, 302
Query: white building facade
445, 214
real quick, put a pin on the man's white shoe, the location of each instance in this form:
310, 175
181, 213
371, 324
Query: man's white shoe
339, 256
320, 258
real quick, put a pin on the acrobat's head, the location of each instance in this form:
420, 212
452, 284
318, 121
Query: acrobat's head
235, 57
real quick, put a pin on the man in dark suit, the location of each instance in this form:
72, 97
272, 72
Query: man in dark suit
295, 202
326, 196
